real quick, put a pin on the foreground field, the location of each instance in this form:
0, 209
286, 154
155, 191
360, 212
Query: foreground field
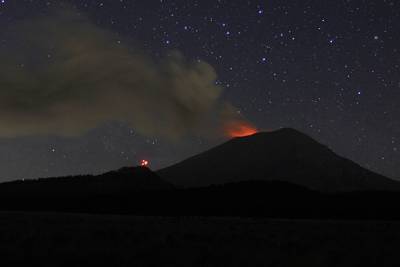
52, 239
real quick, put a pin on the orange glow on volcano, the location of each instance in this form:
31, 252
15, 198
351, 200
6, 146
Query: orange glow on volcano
239, 129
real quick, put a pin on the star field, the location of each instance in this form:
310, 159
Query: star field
328, 68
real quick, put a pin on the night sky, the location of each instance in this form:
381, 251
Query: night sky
330, 69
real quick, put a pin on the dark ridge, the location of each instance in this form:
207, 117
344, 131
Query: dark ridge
122, 181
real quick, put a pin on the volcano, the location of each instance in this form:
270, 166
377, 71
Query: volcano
283, 155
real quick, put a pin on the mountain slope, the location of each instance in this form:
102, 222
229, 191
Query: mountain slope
285, 155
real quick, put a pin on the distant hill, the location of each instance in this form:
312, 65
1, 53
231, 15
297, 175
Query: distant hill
120, 182
284, 155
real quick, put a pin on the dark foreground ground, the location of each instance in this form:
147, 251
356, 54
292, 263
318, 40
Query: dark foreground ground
50, 239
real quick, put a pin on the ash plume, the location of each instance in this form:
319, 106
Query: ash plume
64, 75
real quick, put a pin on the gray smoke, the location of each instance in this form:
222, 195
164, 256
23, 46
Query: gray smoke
64, 75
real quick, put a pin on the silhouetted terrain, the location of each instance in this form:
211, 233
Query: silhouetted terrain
122, 181
270, 199
285, 155
283, 174
231, 207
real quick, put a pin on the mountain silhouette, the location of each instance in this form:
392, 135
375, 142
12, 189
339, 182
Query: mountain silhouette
123, 181
282, 174
283, 155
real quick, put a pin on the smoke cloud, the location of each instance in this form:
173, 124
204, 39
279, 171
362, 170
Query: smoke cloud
64, 75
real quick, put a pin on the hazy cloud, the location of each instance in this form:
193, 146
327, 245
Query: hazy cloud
64, 75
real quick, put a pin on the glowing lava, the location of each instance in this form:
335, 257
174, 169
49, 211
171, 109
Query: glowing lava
144, 163
240, 129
